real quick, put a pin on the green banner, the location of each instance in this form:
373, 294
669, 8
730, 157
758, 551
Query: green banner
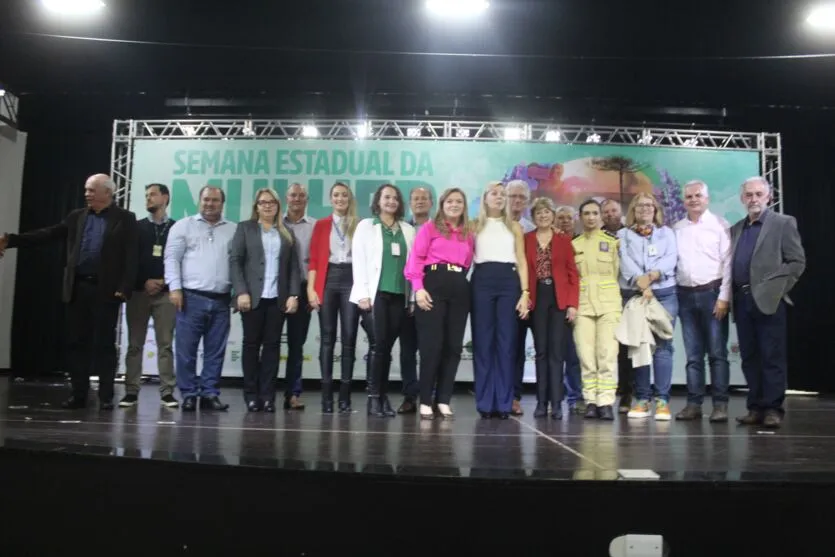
568, 174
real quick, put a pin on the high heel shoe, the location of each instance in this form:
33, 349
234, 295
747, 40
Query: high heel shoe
445, 411
426, 412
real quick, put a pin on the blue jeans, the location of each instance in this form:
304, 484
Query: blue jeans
704, 334
573, 382
207, 319
662, 358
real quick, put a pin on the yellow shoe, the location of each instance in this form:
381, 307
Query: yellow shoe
662, 411
639, 410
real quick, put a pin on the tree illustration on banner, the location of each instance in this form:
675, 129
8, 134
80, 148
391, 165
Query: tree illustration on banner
624, 166
670, 197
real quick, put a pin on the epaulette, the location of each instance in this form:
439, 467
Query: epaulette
575, 237
609, 234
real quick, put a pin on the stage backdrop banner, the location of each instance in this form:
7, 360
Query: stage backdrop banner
567, 174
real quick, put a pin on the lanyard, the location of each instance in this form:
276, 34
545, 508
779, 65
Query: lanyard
157, 234
339, 233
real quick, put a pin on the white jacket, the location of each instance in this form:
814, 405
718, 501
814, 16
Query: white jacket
367, 257
641, 320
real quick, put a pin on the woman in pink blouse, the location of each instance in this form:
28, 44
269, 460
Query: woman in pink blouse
437, 268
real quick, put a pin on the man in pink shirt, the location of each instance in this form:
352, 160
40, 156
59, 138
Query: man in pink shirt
703, 275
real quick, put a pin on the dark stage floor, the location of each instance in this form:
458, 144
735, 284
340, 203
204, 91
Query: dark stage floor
524, 448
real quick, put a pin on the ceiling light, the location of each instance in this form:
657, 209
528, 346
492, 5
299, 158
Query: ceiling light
822, 17
465, 8
73, 7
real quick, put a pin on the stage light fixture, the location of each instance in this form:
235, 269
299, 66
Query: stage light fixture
412, 132
462, 133
822, 17
363, 130
553, 135
2, 92
310, 131
456, 8
512, 134
73, 7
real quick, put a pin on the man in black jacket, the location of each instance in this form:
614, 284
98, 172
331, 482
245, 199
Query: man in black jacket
101, 247
150, 299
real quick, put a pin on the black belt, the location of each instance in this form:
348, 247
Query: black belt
89, 279
744, 288
447, 267
210, 295
546, 281
702, 287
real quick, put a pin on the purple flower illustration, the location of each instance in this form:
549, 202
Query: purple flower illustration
669, 195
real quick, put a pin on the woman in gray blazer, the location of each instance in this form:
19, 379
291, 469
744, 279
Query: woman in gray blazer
266, 277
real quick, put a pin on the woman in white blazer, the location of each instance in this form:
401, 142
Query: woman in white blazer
380, 247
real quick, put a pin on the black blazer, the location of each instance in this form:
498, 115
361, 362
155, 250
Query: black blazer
246, 265
120, 247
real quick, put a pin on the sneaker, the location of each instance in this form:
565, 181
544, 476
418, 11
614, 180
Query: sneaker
128, 401
662, 411
639, 410
169, 401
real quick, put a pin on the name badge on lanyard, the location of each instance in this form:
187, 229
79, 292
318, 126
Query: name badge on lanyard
395, 249
652, 250
157, 252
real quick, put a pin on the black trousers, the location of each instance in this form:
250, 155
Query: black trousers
261, 347
388, 318
91, 340
298, 325
441, 331
335, 305
522, 335
367, 324
549, 330
408, 357
626, 374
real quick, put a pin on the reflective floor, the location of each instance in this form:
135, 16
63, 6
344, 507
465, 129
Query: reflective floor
519, 448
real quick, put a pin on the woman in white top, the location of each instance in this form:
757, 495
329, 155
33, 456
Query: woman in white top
380, 247
499, 288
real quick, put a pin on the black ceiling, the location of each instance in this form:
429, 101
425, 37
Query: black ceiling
355, 56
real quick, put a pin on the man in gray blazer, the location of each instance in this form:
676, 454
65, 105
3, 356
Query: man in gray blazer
265, 274
767, 261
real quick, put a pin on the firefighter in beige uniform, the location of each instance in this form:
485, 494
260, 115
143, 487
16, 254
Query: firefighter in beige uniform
596, 253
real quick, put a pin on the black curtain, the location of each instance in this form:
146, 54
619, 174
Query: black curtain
70, 140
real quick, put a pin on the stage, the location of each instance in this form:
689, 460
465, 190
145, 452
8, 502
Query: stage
650, 475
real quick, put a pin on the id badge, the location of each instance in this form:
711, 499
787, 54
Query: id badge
652, 250
604, 246
395, 249
157, 251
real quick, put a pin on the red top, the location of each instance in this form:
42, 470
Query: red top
563, 269
320, 252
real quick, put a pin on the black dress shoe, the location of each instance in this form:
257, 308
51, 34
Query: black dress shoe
269, 407
106, 406
190, 404
556, 414
74, 403
540, 411
504, 415
385, 407
213, 403
591, 412
345, 407
772, 419
251, 406
486, 415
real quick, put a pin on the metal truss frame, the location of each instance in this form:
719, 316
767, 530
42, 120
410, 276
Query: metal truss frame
126, 132
9, 104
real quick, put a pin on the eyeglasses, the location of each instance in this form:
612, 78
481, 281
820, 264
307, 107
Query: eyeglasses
645, 206
267, 203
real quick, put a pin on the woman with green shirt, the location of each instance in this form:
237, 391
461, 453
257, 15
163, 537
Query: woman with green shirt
380, 247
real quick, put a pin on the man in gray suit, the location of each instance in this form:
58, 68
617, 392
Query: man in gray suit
768, 259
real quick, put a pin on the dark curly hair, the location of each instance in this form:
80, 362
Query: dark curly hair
375, 202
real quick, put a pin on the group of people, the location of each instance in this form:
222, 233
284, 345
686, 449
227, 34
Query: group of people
601, 305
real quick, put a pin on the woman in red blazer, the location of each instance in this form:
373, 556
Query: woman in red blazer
329, 281
555, 292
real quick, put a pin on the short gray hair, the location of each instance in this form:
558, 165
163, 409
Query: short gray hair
696, 183
513, 184
609, 201
566, 209
759, 179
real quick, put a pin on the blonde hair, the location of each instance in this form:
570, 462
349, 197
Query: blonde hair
657, 220
440, 218
350, 220
278, 221
481, 221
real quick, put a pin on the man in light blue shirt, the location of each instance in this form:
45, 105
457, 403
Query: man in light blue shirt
197, 274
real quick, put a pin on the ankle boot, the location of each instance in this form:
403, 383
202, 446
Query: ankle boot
327, 397
541, 410
374, 408
344, 397
385, 407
